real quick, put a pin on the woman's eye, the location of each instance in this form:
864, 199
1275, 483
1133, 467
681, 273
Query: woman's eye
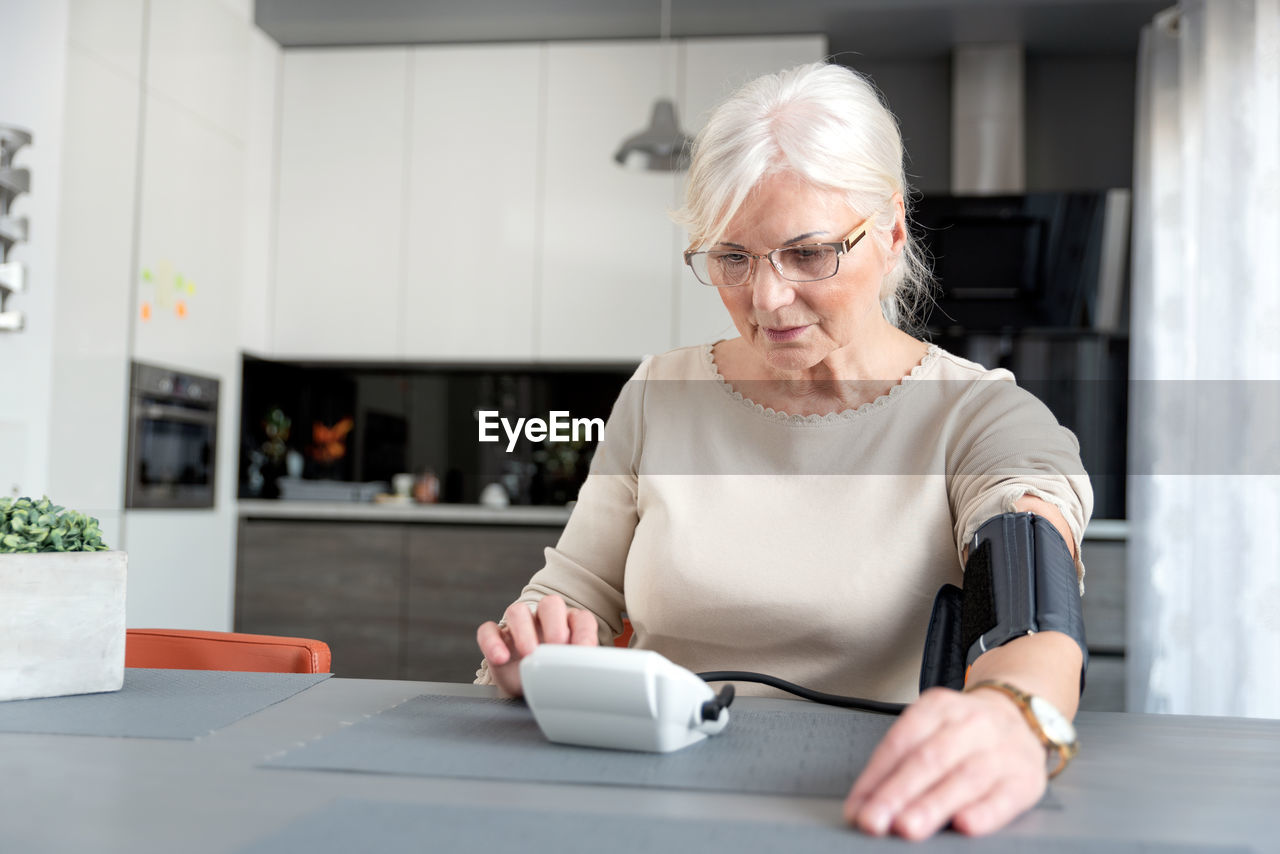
808, 259
732, 259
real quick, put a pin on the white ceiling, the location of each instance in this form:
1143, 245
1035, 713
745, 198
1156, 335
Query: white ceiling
874, 28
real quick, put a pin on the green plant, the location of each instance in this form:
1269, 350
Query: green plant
27, 527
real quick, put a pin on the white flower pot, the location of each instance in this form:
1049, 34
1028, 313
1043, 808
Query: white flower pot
61, 623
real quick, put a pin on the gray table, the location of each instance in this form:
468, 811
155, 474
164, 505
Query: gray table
1167, 779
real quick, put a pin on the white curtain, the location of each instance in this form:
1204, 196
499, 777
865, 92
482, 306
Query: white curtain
1204, 483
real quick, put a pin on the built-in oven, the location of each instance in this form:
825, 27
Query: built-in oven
173, 438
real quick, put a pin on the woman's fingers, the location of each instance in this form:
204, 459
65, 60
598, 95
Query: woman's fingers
583, 630
935, 758
1000, 805
492, 645
521, 627
950, 757
507, 678
505, 645
965, 784
920, 721
553, 620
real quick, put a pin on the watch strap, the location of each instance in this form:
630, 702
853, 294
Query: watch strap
1062, 752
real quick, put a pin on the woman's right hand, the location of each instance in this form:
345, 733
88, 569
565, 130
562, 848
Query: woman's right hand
522, 630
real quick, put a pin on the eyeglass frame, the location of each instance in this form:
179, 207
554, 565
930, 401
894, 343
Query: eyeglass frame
841, 247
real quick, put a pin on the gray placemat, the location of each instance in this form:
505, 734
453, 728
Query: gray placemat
778, 752
353, 825
158, 704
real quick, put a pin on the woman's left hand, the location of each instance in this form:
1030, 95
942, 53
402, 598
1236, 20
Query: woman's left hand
966, 759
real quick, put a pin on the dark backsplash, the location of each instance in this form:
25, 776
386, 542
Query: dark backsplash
417, 419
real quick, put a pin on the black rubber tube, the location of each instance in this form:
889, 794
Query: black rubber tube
800, 691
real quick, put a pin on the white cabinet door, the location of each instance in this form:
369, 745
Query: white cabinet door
190, 242
95, 280
340, 221
473, 225
262, 111
197, 57
192, 202
714, 68
607, 268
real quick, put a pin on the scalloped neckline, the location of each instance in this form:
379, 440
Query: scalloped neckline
930, 356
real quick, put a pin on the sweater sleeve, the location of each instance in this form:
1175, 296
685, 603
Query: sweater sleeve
1006, 444
586, 566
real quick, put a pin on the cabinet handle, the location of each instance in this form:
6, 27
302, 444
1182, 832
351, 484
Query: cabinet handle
156, 412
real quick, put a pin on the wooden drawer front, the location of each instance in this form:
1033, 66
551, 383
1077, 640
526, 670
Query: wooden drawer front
1104, 595
458, 578
339, 583
1104, 687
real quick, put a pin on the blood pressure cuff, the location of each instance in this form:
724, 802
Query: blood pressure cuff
1020, 579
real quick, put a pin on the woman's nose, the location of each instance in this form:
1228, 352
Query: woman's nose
769, 291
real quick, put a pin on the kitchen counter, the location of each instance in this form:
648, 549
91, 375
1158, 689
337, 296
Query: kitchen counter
476, 514
350, 511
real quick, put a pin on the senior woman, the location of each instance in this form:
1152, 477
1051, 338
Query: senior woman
790, 500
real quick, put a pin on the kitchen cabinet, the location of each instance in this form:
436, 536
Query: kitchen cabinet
472, 216
339, 275
614, 286
1104, 624
95, 245
402, 600
713, 69
458, 577
159, 149
392, 600
190, 243
339, 583
262, 111
192, 191
112, 35
606, 267
420, 218
197, 56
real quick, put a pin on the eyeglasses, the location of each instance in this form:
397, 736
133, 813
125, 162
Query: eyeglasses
807, 262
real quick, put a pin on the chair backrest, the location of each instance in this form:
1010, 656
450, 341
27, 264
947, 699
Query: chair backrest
177, 649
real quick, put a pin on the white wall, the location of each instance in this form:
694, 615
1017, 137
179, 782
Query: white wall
159, 117
205, 201
96, 224
32, 70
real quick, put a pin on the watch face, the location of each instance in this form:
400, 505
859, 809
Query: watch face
1056, 727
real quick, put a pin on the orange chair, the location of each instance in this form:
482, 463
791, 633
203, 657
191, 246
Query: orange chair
624, 639
176, 649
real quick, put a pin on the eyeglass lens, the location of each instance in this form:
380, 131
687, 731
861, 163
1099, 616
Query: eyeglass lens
796, 263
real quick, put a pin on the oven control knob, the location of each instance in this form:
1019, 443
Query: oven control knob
166, 384
195, 391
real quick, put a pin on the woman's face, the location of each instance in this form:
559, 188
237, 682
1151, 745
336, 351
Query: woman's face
794, 326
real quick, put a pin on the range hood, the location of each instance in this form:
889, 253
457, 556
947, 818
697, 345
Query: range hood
988, 116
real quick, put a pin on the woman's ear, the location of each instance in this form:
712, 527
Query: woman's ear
897, 242
898, 237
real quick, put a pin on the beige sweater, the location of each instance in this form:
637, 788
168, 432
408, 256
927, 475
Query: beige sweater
810, 548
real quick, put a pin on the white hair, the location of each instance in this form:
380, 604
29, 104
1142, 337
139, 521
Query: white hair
827, 124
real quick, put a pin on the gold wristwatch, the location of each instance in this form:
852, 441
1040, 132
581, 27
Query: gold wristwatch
1053, 729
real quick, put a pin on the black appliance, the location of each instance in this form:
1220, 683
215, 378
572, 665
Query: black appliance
173, 438
1034, 260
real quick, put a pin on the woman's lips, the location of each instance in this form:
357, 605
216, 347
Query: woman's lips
781, 334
